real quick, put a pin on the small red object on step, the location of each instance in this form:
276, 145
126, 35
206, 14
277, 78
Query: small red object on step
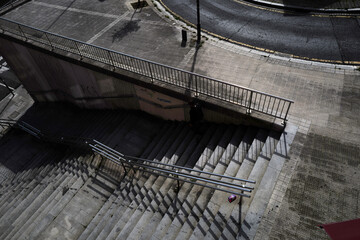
232, 198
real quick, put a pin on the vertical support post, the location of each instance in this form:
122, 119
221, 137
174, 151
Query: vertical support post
52, 47
151, 75
78, 50
22, 32
196, 86
123, 166
248, 111
286, 114
111, 60
178, 183
198, 23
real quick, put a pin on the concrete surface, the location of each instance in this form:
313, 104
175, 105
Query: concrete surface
318, 184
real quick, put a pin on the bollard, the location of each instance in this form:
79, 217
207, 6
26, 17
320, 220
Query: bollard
184, 35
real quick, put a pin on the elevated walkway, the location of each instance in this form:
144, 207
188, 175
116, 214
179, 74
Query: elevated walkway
58, 191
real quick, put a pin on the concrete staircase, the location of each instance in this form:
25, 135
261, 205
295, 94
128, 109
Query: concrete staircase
77, 195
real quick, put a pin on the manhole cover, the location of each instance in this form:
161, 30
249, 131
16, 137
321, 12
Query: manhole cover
139, 4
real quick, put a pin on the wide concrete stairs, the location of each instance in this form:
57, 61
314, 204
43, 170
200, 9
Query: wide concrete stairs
58, 192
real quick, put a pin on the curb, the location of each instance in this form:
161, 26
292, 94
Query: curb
303, 9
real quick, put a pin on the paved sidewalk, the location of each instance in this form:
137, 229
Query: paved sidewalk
318, 183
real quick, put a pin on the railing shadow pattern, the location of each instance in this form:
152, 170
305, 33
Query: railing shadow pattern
247, 98
206, 179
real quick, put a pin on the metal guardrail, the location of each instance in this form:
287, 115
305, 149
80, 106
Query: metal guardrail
250, 99
175, 172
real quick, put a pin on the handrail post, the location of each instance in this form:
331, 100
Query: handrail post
178, 183
196, 87
78, 50
248, 110
111, 60
151, 75
52, 47
123, 166
22, 32
285, 118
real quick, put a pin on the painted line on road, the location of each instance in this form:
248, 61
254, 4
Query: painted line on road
327, 15
254, 47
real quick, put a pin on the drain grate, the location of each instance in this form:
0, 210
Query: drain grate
139, 4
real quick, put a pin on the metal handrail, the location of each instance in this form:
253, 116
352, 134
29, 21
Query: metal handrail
173, 170
169, 165
250, 99
145, 165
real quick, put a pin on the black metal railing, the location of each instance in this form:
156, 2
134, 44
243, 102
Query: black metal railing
199, 85
210, 180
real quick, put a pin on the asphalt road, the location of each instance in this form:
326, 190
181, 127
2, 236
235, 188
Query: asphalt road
300, 34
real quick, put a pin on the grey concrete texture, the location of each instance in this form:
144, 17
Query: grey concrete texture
318, 182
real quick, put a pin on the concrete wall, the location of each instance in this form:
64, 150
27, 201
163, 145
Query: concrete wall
48, 78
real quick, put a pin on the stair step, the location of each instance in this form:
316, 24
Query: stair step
260, 167
155, 140
27, 225
267, 184
208, 160
41, 229
170, 206
15, 185
234, 213
220, 166
223, 167
129, 188
150, 189
241, 166
31, 198
138, 222
32, 210
82, 207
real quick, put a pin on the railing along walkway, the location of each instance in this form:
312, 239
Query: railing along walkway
250, 99
175, 172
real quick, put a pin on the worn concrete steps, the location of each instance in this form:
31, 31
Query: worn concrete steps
60, 198
77, 213
228, 165
38, 162
34, 197
266, 186
168, 208
240, 167
15, 185
33, 210
149, 190
205, 196
260, 167
128, 188
180, 197
145, 210
166, 193
192, 197
26, 189
128, 191
31, 219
